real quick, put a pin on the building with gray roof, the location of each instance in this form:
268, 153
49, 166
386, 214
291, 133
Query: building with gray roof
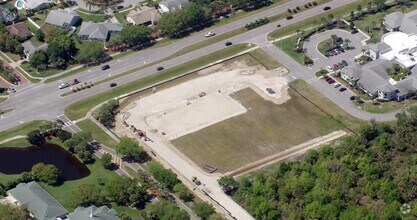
30, 47
6, 16
98, 31
398, 21
63, 19
172, 5
93, 213
376, 50
37, 201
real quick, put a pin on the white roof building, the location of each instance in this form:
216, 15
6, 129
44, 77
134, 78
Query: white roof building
403, 48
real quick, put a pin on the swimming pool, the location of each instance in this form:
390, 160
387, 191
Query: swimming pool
19, 4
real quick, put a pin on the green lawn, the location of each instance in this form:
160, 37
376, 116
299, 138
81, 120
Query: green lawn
92, 17
20, 69
79, 109
2, 99
131, 212
33, 71
121, 17
39, 17
323, 46
97, 133
327, 106
18, 143
21, 129
287, 45
263, 58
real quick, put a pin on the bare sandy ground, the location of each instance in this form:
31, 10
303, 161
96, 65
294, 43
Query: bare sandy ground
184, 108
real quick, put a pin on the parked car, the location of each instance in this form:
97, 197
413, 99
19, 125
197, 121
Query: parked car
342, 89
75, 82
105, 67
113, 84
354, 31
329, 68
337, 85
210, 34
352, 98
63, 85
334, 53
160, 68
345, 63
341, 65
60, 122
290, 17
341, 49
335, 66
228, 43
327, 8
327, 78
331, 81
119, 7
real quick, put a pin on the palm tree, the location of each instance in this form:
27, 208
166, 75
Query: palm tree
363, 52
89, 3
347, 41
103, 9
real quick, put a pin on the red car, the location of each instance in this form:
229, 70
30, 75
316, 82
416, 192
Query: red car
335, 66
330, 81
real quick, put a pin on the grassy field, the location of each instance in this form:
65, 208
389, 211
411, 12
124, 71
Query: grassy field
384, 107
323, 46
92, 17
263, 58
20, 69
21, 129
79, 109
290, 29
33, 71
97, 133
326, 105
121, 17
287, 45
39, 18
19, 143
265, 129
31, 27
2, 99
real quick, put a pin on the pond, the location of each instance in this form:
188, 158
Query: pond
18, 160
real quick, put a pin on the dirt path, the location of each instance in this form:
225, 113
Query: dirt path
291, 152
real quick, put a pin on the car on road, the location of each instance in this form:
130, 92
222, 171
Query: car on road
63, 85
228, 43
13, 90
327, 8
342, 89
279, 25
160, 68
337, 85
60, 122
210, 34
290, 17
75, 82
105, 67
113, 84
119, 7
345, 63
352, 98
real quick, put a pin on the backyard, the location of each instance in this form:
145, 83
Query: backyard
265, 129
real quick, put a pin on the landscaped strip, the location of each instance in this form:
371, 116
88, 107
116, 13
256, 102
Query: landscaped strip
80, 108
22, 129
97, 133
17, 143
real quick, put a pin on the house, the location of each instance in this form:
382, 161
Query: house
36, 201
29, 48
20, 29
93, 213
373, 79
143, 16
172, 5
63, 19
376, 50
6, 16
31, 4
98, 31
398, 21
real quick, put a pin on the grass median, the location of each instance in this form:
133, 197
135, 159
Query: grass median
22, 129
80, 108
97, 133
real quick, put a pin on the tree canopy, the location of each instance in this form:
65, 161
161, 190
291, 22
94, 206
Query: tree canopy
125, 191
46, 173
11, 212
129, 147
90, 52
164, 176
368, 176
164, 209
133, 35
86, 195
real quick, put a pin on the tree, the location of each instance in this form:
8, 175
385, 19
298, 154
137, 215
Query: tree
359, 9
50, 128
195, 15
63, 135
380, 4
52, 32
85, 155
134, 35
89, 4
35, 137
90, 51
125, 191
128, 147
203, 210
86, 195
38, 58
61, 50
164, 209
352, 15
183, 192
107, 113
40, 36
11, 212
227, 183
164, 176
171, 23
105, 160
46, 173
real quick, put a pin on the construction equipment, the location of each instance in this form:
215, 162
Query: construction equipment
196, 181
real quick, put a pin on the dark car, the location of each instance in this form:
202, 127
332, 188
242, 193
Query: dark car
331, 81
354, 31
345, 63
327, 8
119, 7
352, 98
60, 122
160, 68
341, 49
113, 84
342, 89
278, 25
228, 43
105, 67
290, 17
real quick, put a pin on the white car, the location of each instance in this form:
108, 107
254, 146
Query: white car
329, 68
210, 34
336, 85
63, 85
